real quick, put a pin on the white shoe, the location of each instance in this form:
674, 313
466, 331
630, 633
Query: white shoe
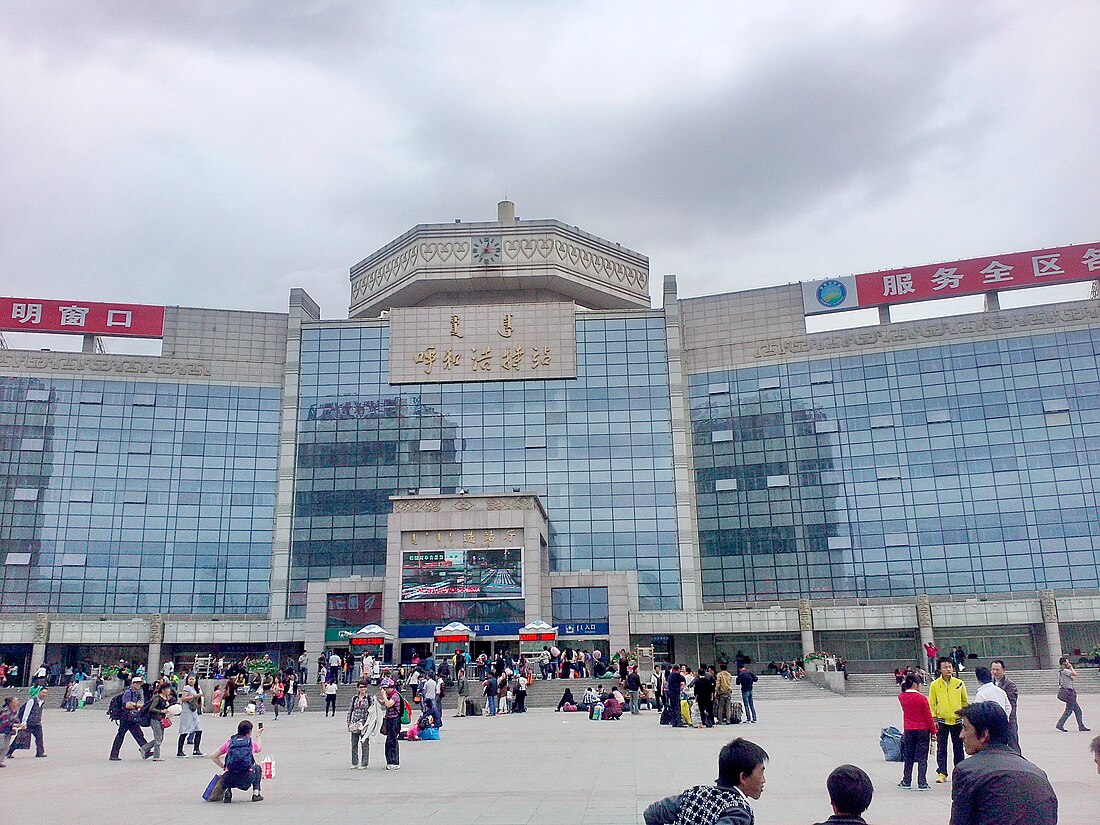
355, 767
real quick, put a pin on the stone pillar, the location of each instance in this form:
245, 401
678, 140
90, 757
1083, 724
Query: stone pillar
992, 302
924, 625
806, 626
884, 314
687, 524
41, 637
1048, 606
156, 638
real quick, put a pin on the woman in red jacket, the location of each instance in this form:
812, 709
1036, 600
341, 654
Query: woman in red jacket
920, 730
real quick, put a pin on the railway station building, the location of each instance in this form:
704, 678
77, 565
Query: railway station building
503, 429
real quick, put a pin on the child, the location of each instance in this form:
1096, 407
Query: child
217, 699
261, 705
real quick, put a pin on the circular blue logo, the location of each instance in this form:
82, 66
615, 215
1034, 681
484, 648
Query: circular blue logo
831, 293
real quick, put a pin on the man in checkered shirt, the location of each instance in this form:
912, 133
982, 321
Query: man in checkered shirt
726, 802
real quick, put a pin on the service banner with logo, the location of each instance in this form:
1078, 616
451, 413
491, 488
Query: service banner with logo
974, 276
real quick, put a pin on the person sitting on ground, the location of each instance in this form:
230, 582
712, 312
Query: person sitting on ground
994, 783
591, 696
1095, 746
726, 802
850, 792
237, 758
566, 699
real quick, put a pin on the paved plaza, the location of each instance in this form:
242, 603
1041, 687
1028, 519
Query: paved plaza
539, 767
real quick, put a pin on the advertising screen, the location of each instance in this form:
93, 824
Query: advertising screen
464, 574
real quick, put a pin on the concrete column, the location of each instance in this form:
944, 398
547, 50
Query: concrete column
924, 624
38, 656
687, 524
152, 667
884, 314
806, 626
992, 302
1048, 606
41, 637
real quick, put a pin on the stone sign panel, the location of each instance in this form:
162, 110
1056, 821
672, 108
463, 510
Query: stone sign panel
516, 342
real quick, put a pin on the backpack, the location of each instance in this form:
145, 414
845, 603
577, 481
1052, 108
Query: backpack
116, 711
144, 716
406, 711
238, 758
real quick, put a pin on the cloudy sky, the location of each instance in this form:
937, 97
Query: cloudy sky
217, 153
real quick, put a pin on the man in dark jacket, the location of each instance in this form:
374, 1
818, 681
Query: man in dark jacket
850, 792
726, 802
1001, 680
995, 785
704, 697
133, 700
676, 683
745, 680
634, 685
30, 720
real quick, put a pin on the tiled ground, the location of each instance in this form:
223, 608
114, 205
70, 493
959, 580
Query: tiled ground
541, 767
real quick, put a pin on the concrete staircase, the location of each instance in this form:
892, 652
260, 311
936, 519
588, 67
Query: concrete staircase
1029, 682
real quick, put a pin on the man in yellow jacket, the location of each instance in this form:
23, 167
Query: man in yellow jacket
947, 696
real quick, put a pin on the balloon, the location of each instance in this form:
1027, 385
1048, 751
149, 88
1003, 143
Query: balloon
596, 654
555, 652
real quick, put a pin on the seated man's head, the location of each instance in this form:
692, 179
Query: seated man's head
983, 674
1096, 752
850, 790
984, 724
741, 765
244, 728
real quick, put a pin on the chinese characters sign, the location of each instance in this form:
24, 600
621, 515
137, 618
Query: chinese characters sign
81, 317
970, 277
462, 574
483, 343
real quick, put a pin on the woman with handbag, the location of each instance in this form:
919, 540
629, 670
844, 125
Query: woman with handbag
190, 716
158, 720
358, 713
1068, 693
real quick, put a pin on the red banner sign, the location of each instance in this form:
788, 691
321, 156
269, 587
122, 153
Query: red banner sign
977, 275
81, 318
370, 640
453, 638
537, 637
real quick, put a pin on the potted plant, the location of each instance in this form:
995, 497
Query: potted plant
815, 661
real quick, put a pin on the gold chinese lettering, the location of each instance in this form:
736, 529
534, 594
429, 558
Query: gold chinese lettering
540, 359
511, 534
451, 359
468, 537
490, 536
455, 322
480, 361
413, 538
506, 329
427, 359
511, 358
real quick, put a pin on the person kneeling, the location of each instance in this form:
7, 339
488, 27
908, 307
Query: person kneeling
237, 758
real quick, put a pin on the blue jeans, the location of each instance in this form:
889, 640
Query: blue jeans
634, 706
492, 705
750, 708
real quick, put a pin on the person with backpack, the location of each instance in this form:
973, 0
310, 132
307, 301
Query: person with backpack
390, 699
9, 725
124, 710
237, 758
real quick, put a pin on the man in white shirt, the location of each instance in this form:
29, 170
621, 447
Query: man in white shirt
989, 692
431, 699
334, 665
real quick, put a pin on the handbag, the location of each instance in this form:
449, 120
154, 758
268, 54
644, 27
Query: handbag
1067, 695
22, 740
166, 722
